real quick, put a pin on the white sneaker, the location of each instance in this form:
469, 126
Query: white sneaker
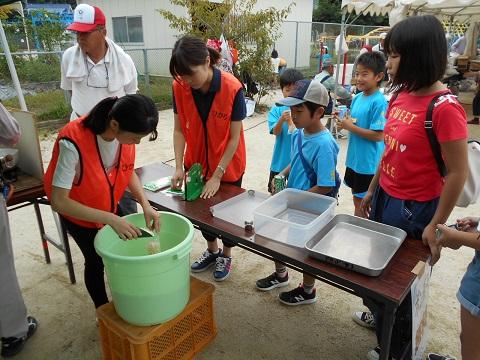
374, 354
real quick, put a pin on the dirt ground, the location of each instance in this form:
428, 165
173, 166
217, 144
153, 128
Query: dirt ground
251, 324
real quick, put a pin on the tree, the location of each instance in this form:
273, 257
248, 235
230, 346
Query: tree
48, 33
253, 32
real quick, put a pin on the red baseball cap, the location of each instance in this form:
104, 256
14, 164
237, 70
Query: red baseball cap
86, 18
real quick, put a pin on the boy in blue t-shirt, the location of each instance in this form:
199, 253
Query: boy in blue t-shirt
280, 124
365, 143
316, 173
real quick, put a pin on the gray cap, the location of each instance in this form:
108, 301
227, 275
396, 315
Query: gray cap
307, 90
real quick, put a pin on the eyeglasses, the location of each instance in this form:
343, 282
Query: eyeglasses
97, 82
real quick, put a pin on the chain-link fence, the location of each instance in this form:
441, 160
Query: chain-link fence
39, 72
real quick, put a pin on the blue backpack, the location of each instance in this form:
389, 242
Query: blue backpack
329, 109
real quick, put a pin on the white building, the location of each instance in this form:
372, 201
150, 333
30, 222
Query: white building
136, 24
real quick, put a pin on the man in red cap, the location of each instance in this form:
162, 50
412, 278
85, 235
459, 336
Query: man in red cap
95, 68
92, 70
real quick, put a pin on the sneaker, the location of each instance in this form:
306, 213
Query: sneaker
474, 121
374, 354
12, 345
297, 296
272, 282
364, 318
433, 356
223, 266
205, 260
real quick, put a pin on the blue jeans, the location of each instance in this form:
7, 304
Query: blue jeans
469, 292
411, 216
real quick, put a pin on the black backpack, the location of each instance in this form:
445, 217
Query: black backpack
329, 109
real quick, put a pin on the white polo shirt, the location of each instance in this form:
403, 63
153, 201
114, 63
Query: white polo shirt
94, 84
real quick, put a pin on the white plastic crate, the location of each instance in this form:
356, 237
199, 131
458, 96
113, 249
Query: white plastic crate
293, 216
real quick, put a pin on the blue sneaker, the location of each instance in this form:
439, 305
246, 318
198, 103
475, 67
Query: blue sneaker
205, 260
223, 267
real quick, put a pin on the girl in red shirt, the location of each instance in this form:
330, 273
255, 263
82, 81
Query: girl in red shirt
408, 190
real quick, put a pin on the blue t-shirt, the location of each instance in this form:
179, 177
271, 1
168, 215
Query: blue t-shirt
320, 150
281, 149
363, 155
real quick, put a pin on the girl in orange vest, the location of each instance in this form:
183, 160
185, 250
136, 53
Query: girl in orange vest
92, 164
208, 106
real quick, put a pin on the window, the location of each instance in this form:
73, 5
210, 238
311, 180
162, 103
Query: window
127, 29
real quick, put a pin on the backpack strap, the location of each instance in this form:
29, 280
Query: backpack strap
312, 177
432, 138
325, 78
390, 103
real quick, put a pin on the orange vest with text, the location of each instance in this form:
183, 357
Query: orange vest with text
205, 144
94, 187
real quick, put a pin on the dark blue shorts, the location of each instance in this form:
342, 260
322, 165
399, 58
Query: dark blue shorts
409, 215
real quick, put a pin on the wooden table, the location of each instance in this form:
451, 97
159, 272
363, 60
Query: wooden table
387, 290
29, 191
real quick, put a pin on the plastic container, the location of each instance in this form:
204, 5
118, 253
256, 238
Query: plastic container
293, 216
148, 289
177, 339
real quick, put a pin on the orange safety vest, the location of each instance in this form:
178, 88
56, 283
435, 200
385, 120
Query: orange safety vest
94, 187
205, 144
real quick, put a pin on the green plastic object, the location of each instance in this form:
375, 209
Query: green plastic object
194, 182
148, 289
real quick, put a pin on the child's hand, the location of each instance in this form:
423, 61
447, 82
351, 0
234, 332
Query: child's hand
346, 123
366, 205
448, 237
429, 238
468, 224
287, 116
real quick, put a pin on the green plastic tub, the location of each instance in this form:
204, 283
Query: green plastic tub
148, 289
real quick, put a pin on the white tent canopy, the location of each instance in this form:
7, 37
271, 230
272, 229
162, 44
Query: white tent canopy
460, 10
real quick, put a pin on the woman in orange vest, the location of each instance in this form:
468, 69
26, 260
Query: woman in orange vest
208, 106
92, 164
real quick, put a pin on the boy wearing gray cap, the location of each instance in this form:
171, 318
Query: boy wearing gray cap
312, 168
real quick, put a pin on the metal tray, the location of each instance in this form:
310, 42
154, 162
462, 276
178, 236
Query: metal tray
238, 210
356, 244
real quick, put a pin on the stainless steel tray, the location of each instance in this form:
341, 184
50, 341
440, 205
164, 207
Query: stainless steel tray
239, 209
356, 244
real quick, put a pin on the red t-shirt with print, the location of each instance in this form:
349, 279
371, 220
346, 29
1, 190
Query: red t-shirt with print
408, 169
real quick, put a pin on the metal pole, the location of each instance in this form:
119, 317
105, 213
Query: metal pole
146, 74
296, 44
337, 70
13, 71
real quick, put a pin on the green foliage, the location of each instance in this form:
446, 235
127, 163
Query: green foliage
50, 33
330, 11
47, 29
160, 90
46, 105
254, 32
